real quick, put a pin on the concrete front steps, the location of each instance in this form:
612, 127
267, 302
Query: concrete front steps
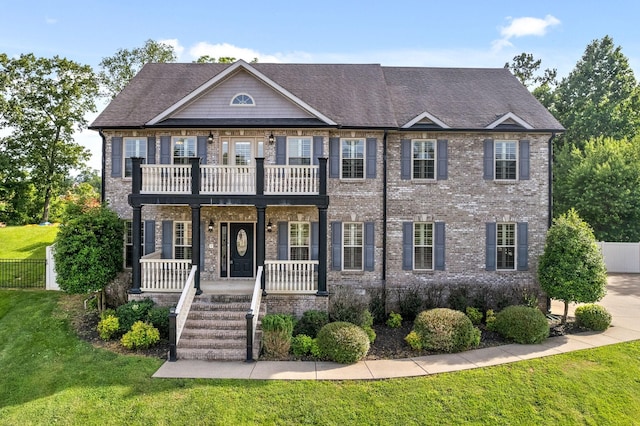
216, 329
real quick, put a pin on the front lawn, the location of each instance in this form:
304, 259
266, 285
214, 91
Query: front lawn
50, 376
26, 242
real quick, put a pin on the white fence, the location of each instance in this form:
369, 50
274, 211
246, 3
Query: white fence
621, 257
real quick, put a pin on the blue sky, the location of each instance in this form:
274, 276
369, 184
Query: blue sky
400, 33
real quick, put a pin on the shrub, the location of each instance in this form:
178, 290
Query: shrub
458, 297
592, 316
490, 320
311, 322
343, 342
133, 311
301, 345
522, 324
378, 305
474, 315
158, 316
346, 306
414, 340
108, 327
395, 320
371, 334
446, 330
409, 302
276, 334
141, 336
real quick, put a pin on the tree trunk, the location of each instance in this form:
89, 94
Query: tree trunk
566, 312
47, 202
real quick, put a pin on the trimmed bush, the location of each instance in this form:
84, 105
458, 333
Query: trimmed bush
394, 321
474, 315
311, 322
592, 316
445, 330
522, 324
343, 342
158, 316
133, 311
346, 306
301, 345
141, 336
108, 327
490, 320
276, 334
414, 340
371, 334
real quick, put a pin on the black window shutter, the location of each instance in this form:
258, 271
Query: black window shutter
281, 150
524, 160
165, 149
151, 150
523, 246
372, 153
283, 241
488, 159
116, 157
317, 149
315, 240
439, 246
334, 157
407, 246
167, 239
490, 264
202, 149
149, 236
442, 153
336, 246
405, 159
369, 246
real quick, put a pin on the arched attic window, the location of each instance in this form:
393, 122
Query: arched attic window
242, 99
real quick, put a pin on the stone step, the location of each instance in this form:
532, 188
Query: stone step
212, 343
219, 306
224, 298
203, 333
214, 354
219, 324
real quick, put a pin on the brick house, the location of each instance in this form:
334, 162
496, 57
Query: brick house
324, 175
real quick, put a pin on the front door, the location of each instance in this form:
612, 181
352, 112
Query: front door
241, 248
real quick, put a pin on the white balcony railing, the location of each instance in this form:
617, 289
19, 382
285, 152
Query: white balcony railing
291, 276
294, 180
164, 275
166, 179
227, 180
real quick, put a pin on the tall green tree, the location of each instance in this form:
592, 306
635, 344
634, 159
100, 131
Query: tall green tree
600, 97
43, 102
526, 68
117, 70
571, 268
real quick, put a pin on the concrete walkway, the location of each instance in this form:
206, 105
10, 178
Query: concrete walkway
622, 301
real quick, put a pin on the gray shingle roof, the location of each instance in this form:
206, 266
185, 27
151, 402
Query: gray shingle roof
352, 95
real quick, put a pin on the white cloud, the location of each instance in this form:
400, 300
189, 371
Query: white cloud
522, 27
228, 50
173, 42
50, 21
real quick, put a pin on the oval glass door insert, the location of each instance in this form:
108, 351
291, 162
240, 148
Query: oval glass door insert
241, 242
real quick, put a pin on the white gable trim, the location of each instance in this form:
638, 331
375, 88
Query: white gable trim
510, 116
424, 115
251, 70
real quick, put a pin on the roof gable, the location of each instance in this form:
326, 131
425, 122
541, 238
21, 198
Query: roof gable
510, 120
426, 120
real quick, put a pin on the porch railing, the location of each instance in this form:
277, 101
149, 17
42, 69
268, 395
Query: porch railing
164, 275
291, 276
253, 313
295, 180
178, 315
166, 179
227, 180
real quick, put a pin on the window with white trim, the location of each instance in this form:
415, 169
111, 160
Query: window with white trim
299, 151
182, 240
242, 99
184, 147
352, 246
128, 242
133, 147
352, 155
422, 246
506, 163
299, 239
506, 246
423, 162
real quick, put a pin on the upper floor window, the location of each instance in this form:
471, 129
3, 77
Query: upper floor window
242, 99
352, 246
299, 151
422, 246
133, 147
183, 148
352, 155
299, 238
506, 246
506, 154
423, 159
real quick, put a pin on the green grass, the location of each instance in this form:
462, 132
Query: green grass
50, 376
26, 242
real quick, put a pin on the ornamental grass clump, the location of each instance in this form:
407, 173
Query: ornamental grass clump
444, 330
522, 324
277, 331
592, 316
343, 342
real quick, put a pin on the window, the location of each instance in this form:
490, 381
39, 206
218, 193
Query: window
183, 148
422, 246
424, 159
242, 99
182, 238
299, 151
299, 240
352, 158
133, 147
506, 246
505, 160
352, 243
128, 242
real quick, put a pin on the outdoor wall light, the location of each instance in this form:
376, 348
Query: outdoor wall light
210, 138
210, 227
272, 139
269, 226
